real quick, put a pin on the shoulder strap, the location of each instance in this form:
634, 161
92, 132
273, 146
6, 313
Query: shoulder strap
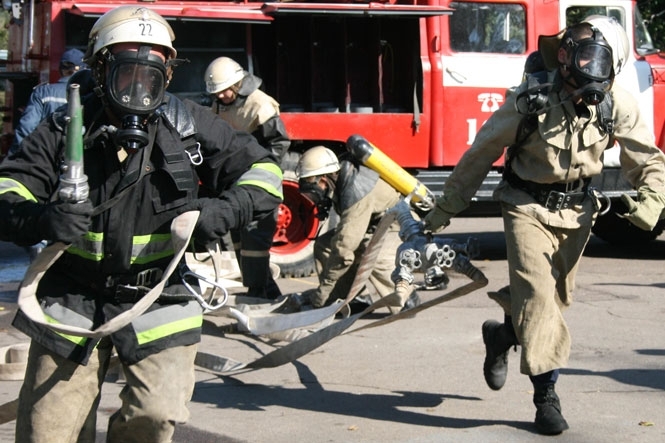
527, 126
604, 110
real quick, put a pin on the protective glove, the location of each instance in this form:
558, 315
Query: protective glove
447, 206
216, 217
63, 221
647, 210
436, 219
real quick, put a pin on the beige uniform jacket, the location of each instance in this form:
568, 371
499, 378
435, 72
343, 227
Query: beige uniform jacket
350, 233
565, 148
258, 108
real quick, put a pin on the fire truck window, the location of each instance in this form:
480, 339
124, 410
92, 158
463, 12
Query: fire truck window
487, 27
576, 14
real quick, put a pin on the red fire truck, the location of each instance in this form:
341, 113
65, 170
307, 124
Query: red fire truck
416, 78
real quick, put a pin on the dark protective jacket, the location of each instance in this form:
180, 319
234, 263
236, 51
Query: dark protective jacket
129, 243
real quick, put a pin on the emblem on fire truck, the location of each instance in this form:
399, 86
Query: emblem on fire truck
490, 101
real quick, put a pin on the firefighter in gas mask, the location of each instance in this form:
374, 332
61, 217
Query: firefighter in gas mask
547, 206
237, 99
360, 197
147, 155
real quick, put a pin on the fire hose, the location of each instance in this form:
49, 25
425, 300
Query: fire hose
417, 243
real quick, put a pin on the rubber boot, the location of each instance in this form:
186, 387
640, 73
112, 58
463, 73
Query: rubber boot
549, 420
498, 339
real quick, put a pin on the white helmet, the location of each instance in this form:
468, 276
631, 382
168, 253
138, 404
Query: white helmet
615, 35
221, 74
318, 160
128, 24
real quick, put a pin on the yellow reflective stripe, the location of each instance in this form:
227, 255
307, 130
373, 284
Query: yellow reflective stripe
151, 247
80, 341
169, 329
91, 248
267, 176
11, 185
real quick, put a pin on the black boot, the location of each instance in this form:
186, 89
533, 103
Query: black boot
549, 420
498, 339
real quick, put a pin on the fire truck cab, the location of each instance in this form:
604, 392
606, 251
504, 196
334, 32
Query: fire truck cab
417, 78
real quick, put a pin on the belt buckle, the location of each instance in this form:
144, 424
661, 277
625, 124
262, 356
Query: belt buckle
128, 294
148, 276
555, 201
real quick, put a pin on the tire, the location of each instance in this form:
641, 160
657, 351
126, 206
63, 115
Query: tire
619, 231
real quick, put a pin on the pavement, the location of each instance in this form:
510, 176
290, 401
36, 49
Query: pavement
420, 379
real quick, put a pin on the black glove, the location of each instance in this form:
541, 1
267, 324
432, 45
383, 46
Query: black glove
216, 217
64, 222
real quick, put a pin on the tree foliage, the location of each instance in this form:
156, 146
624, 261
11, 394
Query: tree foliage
653, 13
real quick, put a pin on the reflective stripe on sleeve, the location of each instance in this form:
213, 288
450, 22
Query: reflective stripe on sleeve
267, 176
11, 185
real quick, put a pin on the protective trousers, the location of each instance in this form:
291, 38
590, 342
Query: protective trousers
252, 247
59, 398
381, 283
542, 263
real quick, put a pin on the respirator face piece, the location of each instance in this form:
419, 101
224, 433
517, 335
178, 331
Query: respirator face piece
591, 68
136, 83
322, 198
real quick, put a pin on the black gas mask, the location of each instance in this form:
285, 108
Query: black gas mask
591, 67
322, 198
136, 83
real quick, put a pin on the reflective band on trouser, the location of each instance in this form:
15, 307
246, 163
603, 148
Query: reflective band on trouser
58, 314
167, 320
11, 185
267, 176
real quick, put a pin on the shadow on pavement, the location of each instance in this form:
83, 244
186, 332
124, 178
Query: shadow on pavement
646, 378
312, 397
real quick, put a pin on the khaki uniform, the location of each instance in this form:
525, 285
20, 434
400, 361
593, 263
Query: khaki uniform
338, 253
257, 109
544, 247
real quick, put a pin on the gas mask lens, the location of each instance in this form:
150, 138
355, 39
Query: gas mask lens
594, 62
136, 85
592, 70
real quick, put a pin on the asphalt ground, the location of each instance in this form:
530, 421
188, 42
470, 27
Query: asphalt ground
420, 379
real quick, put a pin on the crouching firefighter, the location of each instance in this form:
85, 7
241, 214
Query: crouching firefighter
361, 197
145, 154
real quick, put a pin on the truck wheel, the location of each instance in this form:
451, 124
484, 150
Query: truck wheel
619, 231
293, 243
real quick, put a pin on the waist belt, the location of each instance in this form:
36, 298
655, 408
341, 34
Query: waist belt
131, 288
553, 196
147, 278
